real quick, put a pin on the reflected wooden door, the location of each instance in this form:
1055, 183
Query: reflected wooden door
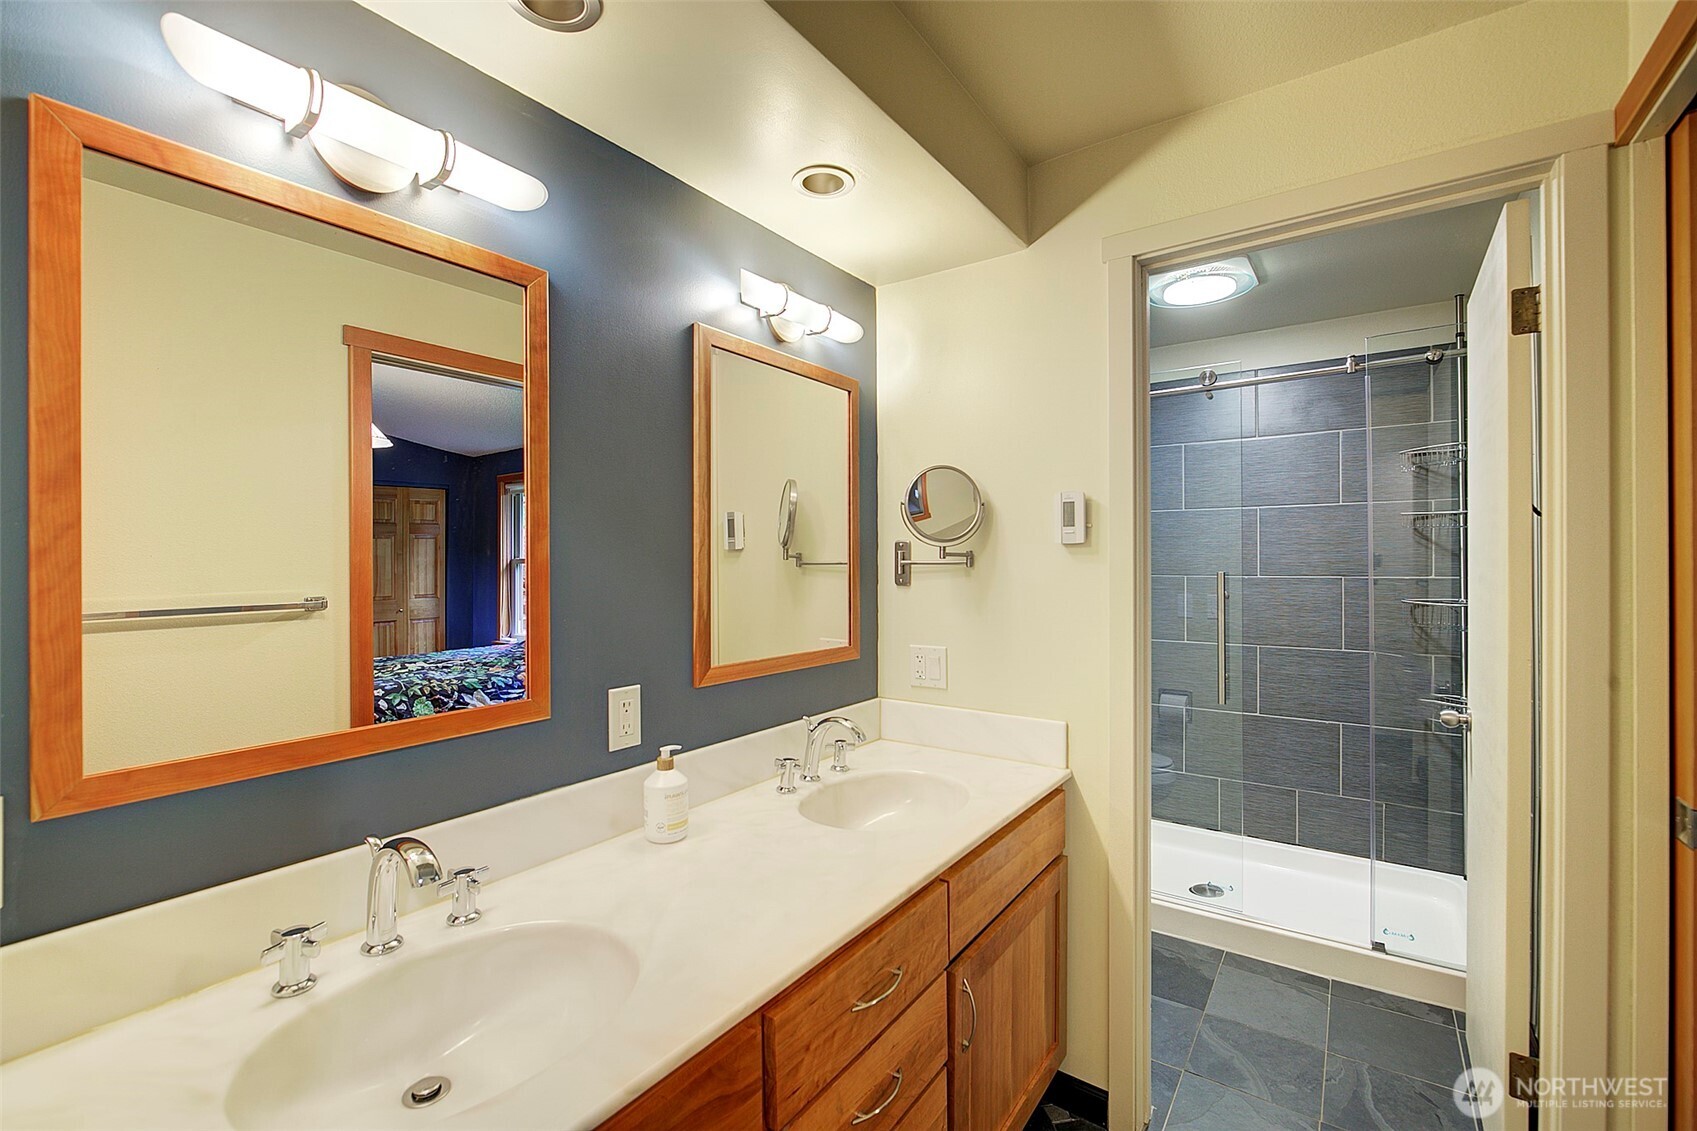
409, 550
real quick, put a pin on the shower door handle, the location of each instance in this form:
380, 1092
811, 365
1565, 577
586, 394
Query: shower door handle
1220, 598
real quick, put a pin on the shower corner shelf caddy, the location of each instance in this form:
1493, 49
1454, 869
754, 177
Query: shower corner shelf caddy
1434, 456
1438, 612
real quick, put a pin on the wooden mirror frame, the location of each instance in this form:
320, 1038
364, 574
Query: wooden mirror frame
707, 673
58, 137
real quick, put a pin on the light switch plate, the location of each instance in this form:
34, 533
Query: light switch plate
624, 717
928, 666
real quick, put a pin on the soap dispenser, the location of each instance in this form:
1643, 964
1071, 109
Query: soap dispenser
665, 800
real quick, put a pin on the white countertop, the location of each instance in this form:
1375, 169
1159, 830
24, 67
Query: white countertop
720, 922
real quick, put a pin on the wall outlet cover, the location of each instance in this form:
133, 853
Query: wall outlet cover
624, 717
928, 666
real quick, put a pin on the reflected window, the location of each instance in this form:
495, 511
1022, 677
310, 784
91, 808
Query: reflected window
512, 558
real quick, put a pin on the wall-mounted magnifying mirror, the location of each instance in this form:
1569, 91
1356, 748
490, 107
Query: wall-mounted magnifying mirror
786, 517
943, 507
764, 417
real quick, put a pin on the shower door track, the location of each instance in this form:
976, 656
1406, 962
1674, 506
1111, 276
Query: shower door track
1208, 384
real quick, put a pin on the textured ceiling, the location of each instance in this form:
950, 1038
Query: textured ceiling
1057, 75
1410, 262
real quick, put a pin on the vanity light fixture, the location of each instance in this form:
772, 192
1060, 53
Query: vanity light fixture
794, 316
335, 116
1204, 285
378, 440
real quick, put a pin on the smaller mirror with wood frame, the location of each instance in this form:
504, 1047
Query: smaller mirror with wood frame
777, 515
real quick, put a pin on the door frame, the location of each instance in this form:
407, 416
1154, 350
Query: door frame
364, 347
1569, 163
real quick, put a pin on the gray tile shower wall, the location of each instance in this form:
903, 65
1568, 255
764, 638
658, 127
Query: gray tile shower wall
1298, 491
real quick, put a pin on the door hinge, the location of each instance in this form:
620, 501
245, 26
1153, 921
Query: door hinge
1684, 823
1525, 310
1523, 1077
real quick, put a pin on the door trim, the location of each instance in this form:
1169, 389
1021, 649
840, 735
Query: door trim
1576, 455
363, 346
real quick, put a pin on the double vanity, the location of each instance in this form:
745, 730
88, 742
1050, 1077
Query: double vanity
882, 949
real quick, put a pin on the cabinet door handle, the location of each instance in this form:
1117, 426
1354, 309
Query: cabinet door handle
888, 990
966, 1041
863, 1116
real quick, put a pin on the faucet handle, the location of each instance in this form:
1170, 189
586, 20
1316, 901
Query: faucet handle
464, 884
839, 755
786, 773
293, 949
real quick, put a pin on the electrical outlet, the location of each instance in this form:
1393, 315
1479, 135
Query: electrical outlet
624, 717
928, 666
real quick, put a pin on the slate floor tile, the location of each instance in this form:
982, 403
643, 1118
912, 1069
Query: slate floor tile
1273, 1068
1202, 1105
1164, 1082
1183, 971
1376, 1036
1278, 973
1295, 1012
1173, 1028
1363, 1097
1408, 1007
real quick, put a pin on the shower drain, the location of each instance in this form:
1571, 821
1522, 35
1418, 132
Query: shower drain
1207, 890
423, 1093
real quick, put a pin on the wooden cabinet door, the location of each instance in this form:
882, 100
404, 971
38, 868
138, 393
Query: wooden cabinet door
718, 1089
1007, 1010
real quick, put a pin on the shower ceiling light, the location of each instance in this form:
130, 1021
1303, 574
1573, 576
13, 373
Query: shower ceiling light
1200, 286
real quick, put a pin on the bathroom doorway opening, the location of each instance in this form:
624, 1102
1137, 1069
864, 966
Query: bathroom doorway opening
1294, 625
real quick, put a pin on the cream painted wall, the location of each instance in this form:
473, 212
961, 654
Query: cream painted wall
1644, 18
769, 426
215, 454
1001, 367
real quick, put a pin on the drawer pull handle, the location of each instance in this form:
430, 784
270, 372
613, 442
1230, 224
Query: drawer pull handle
888, 990
863, 1116
966, 1041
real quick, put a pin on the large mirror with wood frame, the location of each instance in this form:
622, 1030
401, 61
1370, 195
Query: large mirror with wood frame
288, 474
777, 513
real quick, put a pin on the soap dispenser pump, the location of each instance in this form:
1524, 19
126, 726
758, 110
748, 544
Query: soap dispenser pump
665, 800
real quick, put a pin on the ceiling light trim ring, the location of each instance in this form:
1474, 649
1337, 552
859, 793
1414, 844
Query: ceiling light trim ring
591, 14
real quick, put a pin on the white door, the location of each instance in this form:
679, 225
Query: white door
1501, 652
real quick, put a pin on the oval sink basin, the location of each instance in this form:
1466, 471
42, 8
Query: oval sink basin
884, 799
486, 1014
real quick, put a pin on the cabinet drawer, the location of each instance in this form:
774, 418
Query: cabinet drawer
930, 1112
878, 1090
718, 1089
989, 877
824, 1021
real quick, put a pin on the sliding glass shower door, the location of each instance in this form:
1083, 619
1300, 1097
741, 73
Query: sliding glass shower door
1412, 761
1203, 543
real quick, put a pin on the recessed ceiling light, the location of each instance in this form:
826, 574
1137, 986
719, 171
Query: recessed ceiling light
560, 15
823, 181
1200, 286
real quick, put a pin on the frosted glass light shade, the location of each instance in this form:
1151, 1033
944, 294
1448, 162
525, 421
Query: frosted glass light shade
793, 314
374, 129
486, 177
244, 73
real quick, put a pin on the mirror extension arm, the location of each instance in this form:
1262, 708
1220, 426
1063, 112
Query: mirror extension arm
905, 563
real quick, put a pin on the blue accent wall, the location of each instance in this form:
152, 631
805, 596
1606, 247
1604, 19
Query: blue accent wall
634, 257
473, 541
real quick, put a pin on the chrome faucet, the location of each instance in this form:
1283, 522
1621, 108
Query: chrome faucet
816, 729
423, 870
